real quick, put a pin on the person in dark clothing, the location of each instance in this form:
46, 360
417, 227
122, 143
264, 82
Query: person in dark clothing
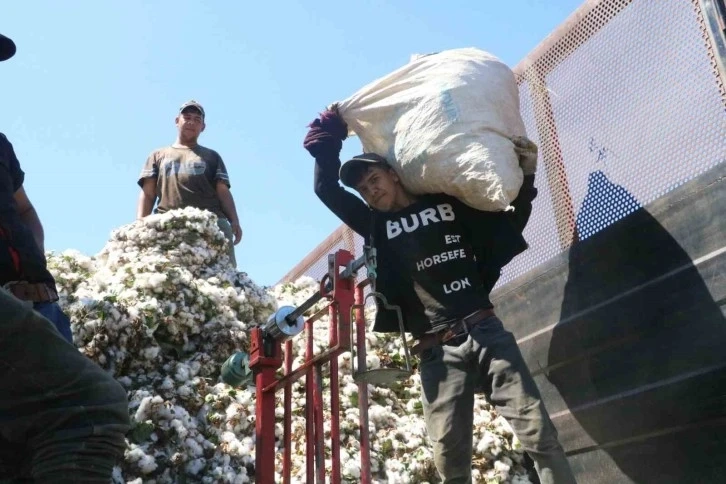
438, 259
62, 417
23, 268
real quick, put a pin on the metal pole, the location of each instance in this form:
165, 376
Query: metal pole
265, 428
319, 431
302, 309
309, 409
334, 401
350, 270
264, 364
360, 333
287, 453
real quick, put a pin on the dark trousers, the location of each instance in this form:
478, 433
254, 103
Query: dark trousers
489, 362
62, 417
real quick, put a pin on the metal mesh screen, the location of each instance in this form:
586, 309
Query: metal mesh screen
542, 232
626, 106
315, 265
626, 103
647, 115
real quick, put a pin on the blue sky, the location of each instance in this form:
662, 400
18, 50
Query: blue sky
95, 86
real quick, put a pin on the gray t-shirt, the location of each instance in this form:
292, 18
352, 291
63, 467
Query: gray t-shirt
186, 177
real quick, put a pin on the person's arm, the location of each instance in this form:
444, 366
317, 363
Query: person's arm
527, 155
347, 207
324, 141
229, 209
30, 217
147, 197
222, 187
147, 182
496, 237
25, 208
523, 203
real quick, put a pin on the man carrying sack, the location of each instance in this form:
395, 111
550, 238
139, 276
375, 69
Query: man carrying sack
438, 259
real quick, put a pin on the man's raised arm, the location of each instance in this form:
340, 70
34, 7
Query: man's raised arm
324, 141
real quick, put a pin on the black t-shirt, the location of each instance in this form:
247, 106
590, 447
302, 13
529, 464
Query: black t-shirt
432, 254
20, 257
438, 259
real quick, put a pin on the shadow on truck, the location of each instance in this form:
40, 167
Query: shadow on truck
638, 357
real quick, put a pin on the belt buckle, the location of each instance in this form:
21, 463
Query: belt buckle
454, 331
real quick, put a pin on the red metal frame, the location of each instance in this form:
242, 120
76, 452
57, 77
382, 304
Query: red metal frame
266, 358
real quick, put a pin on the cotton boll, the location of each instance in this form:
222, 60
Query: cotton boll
482, 417
147, 464
182, 373
351, 469
145, 407
181, 431
195, 449
373, 362
125, 381
168, 384
195, 466
150, 353
502, 469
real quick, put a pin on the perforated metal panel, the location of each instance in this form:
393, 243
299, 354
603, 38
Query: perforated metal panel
317, 267
626, 106
626, 103
542, 231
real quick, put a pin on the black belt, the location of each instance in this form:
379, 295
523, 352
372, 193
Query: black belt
457, 328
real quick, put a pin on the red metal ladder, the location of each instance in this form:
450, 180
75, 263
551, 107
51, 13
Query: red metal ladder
344, 296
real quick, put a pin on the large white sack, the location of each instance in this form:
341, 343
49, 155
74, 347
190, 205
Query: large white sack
444, 121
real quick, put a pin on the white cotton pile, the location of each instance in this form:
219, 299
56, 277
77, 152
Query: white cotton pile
161, 309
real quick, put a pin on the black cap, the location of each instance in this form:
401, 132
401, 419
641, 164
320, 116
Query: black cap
349, 175
7, 48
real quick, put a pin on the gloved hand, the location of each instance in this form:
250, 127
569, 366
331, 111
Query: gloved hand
526, 153
326, 134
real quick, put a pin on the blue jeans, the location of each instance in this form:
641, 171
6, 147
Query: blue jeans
489, 361
53, 313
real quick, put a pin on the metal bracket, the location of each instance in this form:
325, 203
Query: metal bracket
380, 376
